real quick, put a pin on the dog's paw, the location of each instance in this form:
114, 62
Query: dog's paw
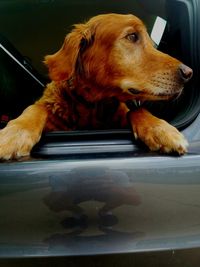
16, 142
157, 134
162, 137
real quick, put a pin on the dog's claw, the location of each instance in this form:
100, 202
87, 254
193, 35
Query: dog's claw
135, 135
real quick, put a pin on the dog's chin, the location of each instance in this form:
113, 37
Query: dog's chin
138, 102
128, 92
139, 95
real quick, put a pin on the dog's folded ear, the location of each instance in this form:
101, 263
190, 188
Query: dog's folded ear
62, 65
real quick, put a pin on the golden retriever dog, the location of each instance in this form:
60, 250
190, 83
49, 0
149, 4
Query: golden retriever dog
102, 64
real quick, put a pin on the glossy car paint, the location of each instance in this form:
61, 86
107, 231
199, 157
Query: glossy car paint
99, 206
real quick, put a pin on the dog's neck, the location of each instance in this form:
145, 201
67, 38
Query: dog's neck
89, 110
91, 92
79, 94
85, 93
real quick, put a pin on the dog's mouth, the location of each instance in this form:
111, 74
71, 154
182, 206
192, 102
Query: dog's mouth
139, 97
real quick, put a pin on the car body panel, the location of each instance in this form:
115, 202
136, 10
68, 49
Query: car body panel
99, 206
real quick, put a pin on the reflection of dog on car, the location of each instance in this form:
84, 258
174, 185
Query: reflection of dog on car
112, 188
103, 64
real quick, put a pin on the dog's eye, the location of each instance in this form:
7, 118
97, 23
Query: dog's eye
133, 37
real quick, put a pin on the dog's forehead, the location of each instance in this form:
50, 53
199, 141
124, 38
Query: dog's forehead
116, 23
131, 23
129, 20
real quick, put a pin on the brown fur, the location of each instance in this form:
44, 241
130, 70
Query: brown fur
91, 76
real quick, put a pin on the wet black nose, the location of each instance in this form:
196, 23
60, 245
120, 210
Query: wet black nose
185, 72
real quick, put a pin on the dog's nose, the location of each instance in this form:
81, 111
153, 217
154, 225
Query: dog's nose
185, 72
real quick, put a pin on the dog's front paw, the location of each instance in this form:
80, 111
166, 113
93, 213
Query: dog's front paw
16, 141
163, 137
159, 135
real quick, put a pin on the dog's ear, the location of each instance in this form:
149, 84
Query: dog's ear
62, 64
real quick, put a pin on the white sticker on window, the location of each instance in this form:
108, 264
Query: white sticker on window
158, 30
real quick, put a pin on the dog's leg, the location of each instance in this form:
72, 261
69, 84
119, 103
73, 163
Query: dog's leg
157, 134
20, 135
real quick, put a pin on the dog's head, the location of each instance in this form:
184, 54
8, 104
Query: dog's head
114, 54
